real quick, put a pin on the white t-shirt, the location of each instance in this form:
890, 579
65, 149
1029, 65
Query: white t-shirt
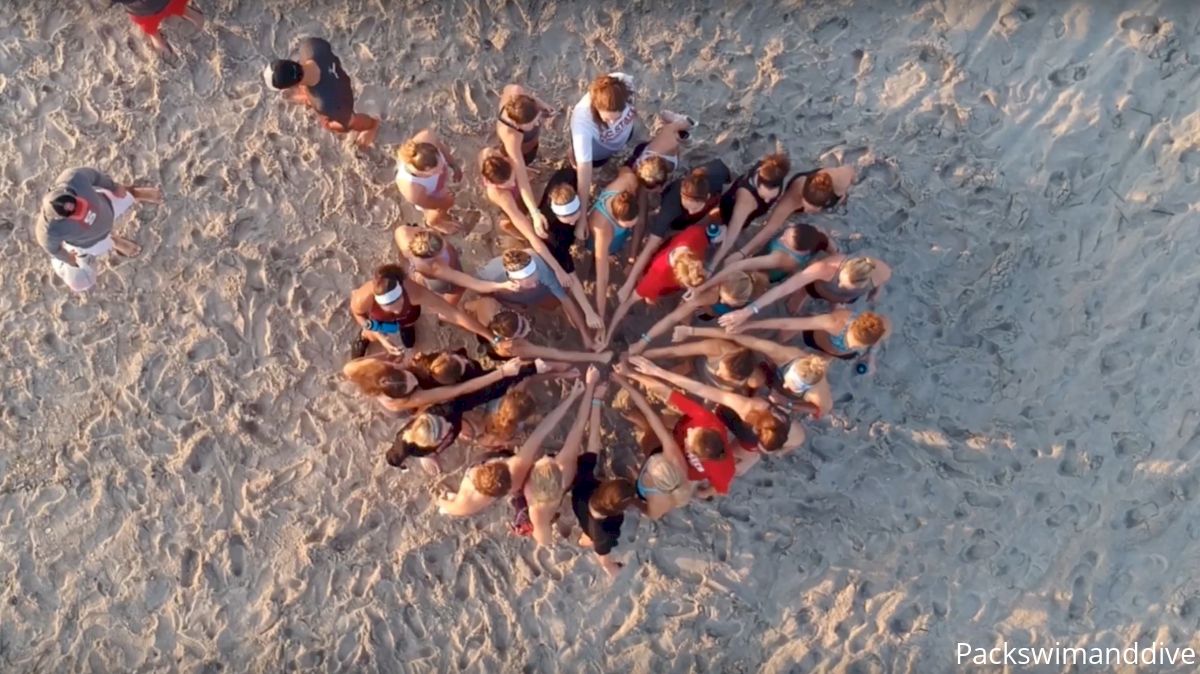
612, 137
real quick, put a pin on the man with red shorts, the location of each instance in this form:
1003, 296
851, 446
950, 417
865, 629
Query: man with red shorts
316, 79
149, 15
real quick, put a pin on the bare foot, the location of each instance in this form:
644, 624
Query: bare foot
151, 195
126, 247
161, 46
194, 16
367, 138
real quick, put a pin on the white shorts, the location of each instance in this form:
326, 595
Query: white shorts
81, 278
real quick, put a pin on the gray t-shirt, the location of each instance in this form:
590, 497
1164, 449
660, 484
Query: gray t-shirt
332, 96
53, 230
547, 287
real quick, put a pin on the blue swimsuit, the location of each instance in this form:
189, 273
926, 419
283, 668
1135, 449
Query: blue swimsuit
620, 234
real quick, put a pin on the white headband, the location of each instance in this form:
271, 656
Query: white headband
269, 76
794, 382
390, 296
569, 208
524, 272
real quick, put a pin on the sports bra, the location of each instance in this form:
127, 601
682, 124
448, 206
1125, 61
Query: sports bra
837, 198
432, 184
832, 291
620, 233
527, 135
704, 365
408, 314
802, 259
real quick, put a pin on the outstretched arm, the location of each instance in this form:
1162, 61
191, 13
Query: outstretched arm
464, 280
527, 454
588, 414
822, 322
671, 449
577, 319
523, 349
760, 263
443, 394
639, 266
743, 205
677, 316
705, 347
779, 353
775, 224
793, 284
602, 240
738, 403
449, 313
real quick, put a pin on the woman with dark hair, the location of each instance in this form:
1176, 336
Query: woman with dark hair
751, 196
519, 127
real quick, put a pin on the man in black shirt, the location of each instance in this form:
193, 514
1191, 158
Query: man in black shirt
320, 83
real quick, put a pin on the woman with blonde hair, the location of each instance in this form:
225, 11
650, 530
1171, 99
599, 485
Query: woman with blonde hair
797, 380
662, 481
679, 265
500, 474
423, 168
437, 265
537, 505
842, 334
837, 279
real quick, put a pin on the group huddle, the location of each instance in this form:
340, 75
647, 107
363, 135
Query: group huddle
753, 305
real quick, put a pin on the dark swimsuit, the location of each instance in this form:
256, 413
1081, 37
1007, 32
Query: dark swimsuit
747, 181
832, 292
527, 137
837, 198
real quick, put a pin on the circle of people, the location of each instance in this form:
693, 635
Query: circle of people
726, 257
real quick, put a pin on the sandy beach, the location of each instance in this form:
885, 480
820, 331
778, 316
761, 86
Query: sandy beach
187, 484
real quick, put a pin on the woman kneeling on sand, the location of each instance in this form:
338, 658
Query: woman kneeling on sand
759, 426
512, 329
399, 385
796, 382
662, 482
437, 265
435, 428
387, 307
706, 303
837, 279
499, 474
423, 166
843, 334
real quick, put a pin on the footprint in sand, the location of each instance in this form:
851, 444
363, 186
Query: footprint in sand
1081, 588
1141, 24
237, 555
189, 567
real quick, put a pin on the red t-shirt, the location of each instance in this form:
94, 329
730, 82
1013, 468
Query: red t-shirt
719, 473
659, 279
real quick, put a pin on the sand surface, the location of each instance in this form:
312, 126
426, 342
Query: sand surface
187, 485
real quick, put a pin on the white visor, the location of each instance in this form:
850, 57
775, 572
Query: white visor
524, 272
569, 208
390, 296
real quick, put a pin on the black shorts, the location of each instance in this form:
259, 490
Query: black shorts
809, 337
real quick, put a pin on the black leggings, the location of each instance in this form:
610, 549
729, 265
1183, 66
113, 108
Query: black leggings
360, 344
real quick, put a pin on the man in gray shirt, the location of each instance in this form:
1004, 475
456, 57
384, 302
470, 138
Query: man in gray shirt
76, 223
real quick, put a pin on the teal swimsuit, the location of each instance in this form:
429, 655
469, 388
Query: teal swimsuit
802, 259
620, 234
